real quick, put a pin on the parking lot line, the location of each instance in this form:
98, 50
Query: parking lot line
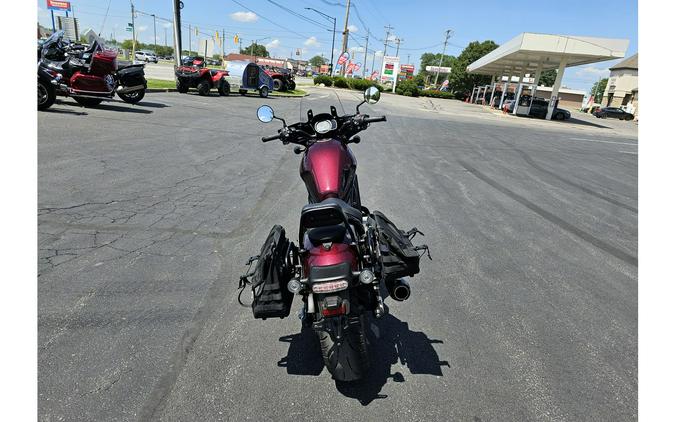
604, 142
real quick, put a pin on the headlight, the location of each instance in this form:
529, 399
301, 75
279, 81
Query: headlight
330, 286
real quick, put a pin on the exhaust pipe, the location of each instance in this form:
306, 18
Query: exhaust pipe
398, 289
127, 89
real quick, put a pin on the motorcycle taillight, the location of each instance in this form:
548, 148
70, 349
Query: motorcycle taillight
340, 310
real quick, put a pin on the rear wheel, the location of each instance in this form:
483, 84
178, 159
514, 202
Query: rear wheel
224, 88
346, 360
203, 88
559, 116
278, 84
291, 85
46, 95
264, 92
133, 97
88, 102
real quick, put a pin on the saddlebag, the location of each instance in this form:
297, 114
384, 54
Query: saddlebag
269, 280
398, 257
132, 76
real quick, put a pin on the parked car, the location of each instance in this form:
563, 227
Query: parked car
146, 56
614, 113
539, 108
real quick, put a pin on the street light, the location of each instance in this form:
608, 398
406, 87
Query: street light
332, 50
255, 55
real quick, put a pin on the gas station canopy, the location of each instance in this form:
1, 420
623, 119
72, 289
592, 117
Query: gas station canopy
524, 53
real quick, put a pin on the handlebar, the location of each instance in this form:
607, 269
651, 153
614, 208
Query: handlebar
375, 119
271, 138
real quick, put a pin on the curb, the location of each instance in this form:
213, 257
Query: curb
149, 90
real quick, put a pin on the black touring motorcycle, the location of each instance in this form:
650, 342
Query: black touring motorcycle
346, 255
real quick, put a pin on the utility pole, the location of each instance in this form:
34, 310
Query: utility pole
222, 47
408, 61
448, 34
372, 66
189, 40
332, 51
177, 40
398, 44
133, 34
165, 44
365, 56
154, 30
345, 37
386, 37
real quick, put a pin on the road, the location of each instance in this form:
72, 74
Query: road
147, 214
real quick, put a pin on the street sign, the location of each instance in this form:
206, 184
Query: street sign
130, 25
439, 69
129, 29
236, 39
58, 5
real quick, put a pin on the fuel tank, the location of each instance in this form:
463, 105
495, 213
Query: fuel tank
328, 168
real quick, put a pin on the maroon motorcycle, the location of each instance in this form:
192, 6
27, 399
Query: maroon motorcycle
348, 259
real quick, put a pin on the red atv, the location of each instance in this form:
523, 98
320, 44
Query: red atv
283, 78
194, 74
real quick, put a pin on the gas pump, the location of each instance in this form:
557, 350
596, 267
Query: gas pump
524, 95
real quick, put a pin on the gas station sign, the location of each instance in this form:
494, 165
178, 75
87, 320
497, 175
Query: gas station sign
58, 5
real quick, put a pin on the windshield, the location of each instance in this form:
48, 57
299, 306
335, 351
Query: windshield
93, 38
53, 38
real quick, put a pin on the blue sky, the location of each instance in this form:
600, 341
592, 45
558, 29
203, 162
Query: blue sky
419, 24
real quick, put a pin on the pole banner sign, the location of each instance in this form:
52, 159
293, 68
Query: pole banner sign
357, 66
58, 5
350, 67
374, 75
343, 58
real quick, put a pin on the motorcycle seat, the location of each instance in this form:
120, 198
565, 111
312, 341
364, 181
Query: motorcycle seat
327, 234
329, 212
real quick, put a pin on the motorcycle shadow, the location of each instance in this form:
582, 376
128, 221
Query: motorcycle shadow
390, 341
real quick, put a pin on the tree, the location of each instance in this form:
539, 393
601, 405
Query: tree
128, 44
216, 56
317, 61
460, 80
598, 89
256, 50
547, 77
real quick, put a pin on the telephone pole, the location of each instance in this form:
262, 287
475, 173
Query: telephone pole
448, 34
386, 38
222, 47
345, 37
189, 40
154, 30
398, 44
177, 40
365, 56
165, 44
133, 34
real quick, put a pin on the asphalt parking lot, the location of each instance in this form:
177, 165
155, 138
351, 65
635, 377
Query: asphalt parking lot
148, 213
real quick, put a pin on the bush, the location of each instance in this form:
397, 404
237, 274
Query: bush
340, 82
436, 94
323, 79
408, 88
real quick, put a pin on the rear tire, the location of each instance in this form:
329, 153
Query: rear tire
224, 88
264, 92
291, 86
203, 88
133, 97
559, 116
278, 84
46, 95
88, 102
348, 360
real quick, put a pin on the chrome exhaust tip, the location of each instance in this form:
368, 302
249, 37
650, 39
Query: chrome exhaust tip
398, 289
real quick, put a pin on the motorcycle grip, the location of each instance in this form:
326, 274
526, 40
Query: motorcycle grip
270, 138
375, 119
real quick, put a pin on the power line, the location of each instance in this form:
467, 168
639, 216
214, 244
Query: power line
268, 20
299, 15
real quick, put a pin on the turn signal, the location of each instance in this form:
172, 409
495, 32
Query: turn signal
330, 286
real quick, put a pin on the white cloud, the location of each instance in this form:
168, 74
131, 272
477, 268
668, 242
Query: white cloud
592, 72
353, 28
392, 37
142, 28
273, 44
312, 42
357, 49
167, 24
379, 53
244, 16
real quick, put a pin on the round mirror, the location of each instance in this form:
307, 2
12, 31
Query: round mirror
265, 113
371, 95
